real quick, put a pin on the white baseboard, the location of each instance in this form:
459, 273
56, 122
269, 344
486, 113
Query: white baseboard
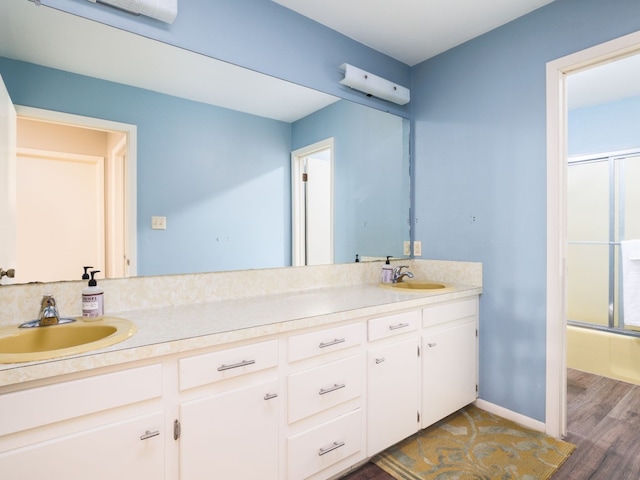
510, 415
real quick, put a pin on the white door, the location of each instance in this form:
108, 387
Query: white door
312, 174
60, 215
7, 182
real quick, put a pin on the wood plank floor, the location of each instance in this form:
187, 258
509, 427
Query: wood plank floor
604, 424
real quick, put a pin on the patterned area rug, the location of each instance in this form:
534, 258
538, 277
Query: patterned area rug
474, 444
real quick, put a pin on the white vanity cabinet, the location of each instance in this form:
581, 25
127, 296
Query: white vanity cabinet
449, 358
393, 380
229, 414
324, 380
100, 427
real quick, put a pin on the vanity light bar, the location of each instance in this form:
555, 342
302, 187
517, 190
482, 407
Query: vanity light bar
373, 85
163, 10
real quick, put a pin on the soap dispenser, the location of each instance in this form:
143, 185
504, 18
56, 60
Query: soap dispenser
387, 271
93, 300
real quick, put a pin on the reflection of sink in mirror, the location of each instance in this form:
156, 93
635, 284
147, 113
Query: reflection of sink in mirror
42, 343
416, 285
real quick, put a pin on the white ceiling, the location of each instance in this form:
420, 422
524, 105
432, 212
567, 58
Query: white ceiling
412, 30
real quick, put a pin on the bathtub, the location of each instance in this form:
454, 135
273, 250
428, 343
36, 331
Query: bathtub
603, 353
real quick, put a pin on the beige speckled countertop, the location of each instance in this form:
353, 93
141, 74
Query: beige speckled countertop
180, 328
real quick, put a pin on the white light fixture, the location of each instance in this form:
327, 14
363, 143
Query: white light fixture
373, 85
163, 10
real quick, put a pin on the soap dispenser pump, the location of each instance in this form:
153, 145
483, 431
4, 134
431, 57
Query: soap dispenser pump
387, 271
85, 275
93, 299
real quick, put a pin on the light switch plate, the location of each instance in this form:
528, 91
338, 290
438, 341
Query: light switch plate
406, 248
158, 223
417, 248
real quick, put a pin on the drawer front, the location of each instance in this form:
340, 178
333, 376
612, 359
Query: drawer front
216, 366
391, 325
448, 312
314, 450
324, 341
66, 400
318, 389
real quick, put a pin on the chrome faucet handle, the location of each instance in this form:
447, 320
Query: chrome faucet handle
397, 270
48, 311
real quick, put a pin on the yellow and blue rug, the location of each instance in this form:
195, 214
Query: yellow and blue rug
474, 444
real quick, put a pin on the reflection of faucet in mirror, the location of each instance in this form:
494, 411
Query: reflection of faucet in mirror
398, 275
7, 273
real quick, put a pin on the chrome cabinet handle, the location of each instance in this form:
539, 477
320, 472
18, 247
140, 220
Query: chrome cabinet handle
333, 446
149, 434
380, 360
336, 386
431, 345
243, 363
396, 327
269, 396
333, 342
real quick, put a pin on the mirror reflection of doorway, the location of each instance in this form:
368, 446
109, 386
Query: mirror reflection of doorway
74, 197
312, 184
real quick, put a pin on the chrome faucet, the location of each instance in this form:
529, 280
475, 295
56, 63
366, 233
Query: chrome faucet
398, 274
48, 311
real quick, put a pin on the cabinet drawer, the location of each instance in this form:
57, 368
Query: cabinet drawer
318, 389
391, 325
448, 312
72, 399
324, 341
314, 450
216, 366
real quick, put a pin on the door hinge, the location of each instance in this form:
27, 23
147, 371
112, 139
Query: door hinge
418, 350
305, 177
176, 429
418, 416
476, 388
476, 332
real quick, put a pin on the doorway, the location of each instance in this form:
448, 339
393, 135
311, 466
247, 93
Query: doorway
557, 244
76, 175
312, 212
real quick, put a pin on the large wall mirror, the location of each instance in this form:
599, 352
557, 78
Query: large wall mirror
192, 158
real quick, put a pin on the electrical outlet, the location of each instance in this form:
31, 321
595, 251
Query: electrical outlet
407, 248
158, 223
417, 248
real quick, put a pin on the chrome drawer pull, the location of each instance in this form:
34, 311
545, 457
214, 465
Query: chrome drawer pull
331, 448
243, 363
334, 342
379, 360
269, 396
396, 327
149, 434
336, 386
431, 345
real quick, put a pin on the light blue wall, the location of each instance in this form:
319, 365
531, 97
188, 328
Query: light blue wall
196, 163
480, 177
260, 35
604, 128
371, 176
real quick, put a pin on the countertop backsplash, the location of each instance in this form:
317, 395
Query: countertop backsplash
20, 303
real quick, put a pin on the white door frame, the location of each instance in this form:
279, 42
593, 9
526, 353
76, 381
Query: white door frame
298, 235
131, 173
557, 70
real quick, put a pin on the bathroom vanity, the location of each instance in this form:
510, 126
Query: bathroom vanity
308, 385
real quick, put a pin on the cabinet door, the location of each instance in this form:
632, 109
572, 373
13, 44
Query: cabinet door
392, 397
128, 450
449, 370
231, 435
